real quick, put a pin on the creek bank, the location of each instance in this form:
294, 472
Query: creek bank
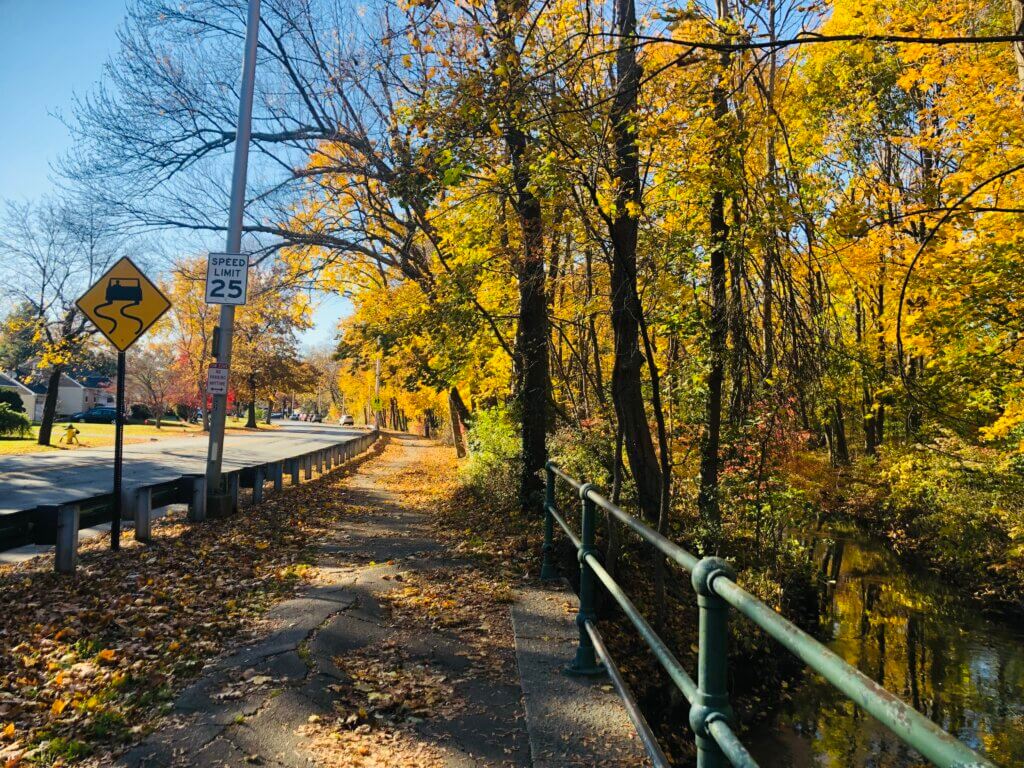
917, 636
967, 553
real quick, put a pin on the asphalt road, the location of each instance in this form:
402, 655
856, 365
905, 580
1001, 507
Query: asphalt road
60, 477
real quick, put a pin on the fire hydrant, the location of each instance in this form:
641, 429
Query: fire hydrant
70, 435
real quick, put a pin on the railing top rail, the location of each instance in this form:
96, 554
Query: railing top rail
575, 484
909, 725
670, 549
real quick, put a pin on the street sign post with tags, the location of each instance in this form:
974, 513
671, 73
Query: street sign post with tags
123, 305
227, 278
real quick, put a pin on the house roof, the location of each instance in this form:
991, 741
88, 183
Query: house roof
94, 381
36, 387
13, 383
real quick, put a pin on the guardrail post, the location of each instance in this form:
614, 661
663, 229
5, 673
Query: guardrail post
585, 663
712, 661
320, 462
293, 470
234, 483
259, 476
307, 467
547, 567
141, 504
197, 499
277, 470
66, 556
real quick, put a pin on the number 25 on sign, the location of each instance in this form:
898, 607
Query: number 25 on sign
227, 278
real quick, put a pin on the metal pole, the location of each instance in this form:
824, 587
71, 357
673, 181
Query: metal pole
115, 523
547, 567
712, 703
586, 663
243, 132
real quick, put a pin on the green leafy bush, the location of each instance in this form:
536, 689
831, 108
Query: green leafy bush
494, 462
12, 423
13, 400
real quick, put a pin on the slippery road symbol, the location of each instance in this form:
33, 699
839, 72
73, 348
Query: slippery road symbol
127, 293
123, 304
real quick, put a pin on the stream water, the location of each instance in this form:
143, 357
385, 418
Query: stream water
912, 634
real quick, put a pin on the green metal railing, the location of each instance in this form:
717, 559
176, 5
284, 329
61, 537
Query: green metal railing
714, 581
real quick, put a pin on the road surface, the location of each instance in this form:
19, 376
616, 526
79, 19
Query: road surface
60, 477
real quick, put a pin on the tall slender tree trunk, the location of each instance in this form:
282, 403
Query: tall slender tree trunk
707, 497
459, 415
627, 384
532, 333
1017, 12
50, 404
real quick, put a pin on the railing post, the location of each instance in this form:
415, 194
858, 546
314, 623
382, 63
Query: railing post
547, 567
66, 555
277, 469
307, 466
141, 506
197, 498
712, 701
234, 486
259, 476
585, 663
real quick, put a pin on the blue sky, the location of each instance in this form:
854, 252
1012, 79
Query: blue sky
50, 50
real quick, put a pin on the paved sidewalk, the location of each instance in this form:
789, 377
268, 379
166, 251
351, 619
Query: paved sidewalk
287, 701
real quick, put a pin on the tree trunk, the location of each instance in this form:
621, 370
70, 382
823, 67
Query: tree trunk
270, 407
1017, 11
50, 405
532, 331
707, 496
459, 416
839, 451
204, 399
627, 384
250, 422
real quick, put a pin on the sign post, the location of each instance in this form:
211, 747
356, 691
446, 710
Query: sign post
218, 499
123, 305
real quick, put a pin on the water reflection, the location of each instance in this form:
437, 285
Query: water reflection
913, 636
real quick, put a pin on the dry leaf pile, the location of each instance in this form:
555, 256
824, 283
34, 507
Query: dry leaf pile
91, 661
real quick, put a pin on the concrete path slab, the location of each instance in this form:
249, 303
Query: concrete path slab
572, 721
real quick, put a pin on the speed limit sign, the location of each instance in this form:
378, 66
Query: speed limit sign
227, 278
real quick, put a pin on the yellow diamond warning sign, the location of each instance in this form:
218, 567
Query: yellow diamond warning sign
123, 304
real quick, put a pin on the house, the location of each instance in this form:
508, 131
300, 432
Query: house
72, 395
99, 391
28, 396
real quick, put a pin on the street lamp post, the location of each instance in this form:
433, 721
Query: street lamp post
218, 499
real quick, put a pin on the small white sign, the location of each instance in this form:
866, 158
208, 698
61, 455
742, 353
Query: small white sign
227, 278
217, 379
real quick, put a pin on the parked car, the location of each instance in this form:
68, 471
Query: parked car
346, 420
295, 416
277, 415
97, 415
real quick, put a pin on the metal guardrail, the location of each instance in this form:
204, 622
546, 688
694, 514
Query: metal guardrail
59, 524
714, 582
